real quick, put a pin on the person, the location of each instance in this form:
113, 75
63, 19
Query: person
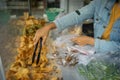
105, 14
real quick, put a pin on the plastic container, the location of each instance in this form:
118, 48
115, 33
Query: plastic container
53, 12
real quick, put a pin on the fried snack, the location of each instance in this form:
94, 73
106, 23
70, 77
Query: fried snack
22, 68
68, 58
36, 21
55, 78
26, 15
38, 76
10, 75
22, 74
47, 69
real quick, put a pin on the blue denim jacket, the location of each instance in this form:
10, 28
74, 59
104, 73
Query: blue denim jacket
100, 10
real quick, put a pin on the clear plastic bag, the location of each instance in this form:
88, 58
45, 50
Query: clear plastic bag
102, 67
64, 41
73, 53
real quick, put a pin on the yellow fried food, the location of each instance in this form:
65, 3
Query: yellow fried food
15, 66
22, 74
54, 78
29, 22
22, 68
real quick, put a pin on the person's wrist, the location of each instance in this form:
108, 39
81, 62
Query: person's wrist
51, 26
48, 28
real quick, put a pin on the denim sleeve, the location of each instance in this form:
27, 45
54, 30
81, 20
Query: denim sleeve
76, 17
106, 46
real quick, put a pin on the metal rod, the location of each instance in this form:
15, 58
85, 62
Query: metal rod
29, 7
68, 2
2, 76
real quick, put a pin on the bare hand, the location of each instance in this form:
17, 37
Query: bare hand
83, 40
43, 32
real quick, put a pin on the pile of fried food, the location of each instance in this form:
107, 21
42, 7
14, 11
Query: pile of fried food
22, 68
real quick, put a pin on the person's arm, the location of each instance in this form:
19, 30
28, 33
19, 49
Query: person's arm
70, 19
106, 46
76, 17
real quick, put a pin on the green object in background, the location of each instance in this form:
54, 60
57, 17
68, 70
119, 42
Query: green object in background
4, 16
52, 13
106, 67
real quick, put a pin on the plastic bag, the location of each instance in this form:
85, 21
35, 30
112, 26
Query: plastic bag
102, 67
71, 54
64, 41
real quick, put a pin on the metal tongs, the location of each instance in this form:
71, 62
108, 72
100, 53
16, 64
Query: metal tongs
39, 52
